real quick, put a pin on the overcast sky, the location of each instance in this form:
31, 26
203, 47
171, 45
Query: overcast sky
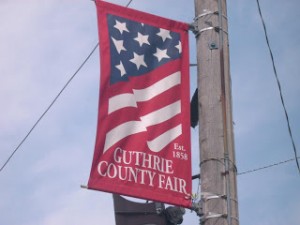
42, 43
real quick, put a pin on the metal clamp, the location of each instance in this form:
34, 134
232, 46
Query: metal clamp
212, 159
211, 215
205, 196
194, 26
198, 208
206, 13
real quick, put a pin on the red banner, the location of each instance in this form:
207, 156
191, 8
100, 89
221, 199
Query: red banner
143, 138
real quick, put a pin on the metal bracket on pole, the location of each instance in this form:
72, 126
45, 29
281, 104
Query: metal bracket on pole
211, 215
159, 207
194, 25
205, 196
198, 208
194, 28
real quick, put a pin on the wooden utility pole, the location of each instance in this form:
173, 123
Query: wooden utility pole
217, 157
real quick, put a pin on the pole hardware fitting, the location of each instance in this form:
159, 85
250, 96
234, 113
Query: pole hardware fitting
206, 196
213, 46
194, 28
208, 13
198, 208
230, 167
225, 173
194, 25
159, 208
211, 215
212, 159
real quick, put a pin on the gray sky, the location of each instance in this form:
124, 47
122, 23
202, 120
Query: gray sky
42, 43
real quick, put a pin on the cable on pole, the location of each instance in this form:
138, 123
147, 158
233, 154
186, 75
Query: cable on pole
279, 86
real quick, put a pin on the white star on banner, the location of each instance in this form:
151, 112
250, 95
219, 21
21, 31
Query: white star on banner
164, 34
138, 60
119, 45
121, 68
142, 39
121, 27
179, 47
160, 54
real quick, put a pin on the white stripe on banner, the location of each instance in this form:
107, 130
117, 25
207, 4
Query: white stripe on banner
122, 131
157, 144
162, 114
121, 101
157, 88
130, 100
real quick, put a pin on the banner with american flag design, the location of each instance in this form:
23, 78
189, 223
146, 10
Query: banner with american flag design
143, 134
